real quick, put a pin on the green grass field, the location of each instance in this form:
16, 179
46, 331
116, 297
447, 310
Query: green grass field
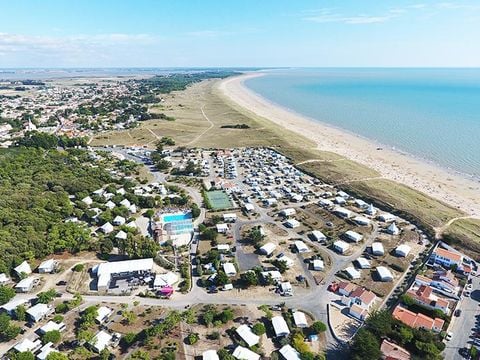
219, 200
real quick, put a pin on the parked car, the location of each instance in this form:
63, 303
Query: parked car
458, 312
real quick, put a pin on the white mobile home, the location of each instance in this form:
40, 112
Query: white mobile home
280, 326
318, 236
353, 236
384, 274
341, 246
377, 249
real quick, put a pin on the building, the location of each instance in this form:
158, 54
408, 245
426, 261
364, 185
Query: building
39, 312
106, 228
100, 341
12, 305
292, 223
26, 285
386, 217
247, 335
301, 247
362, 297
28, 345
229, 217
274, 274
371, 210
48, 266
384, 274
353, 236
300, 319
52, 326
223, 248
222, 228
289, 353
343, 213
288, 212
352, 272
358, 312
318, 236
121, 235
446, 258
318, 265
103, 314
393, 229
362, 221
268, 248
229, 269
391, 351
280, 326
4, 279
424, 296
119, 220
45, 350
105, 271
377, 249
286, 289
242, 353
23, 268
341, 246
289, 262
163, 280
402, 250
363, 263
210, 355
417, 321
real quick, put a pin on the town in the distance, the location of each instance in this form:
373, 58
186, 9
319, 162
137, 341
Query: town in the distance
161, 251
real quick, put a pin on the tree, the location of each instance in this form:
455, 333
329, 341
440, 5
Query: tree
407, 300
226, 315
26, 355
318, 327
192, 338
223, 354
78, 268
365, 346
6, 294
281, 265
258, 329
55, 355
405, 335
20, 313
46, 296
221, 278
53, 336
255, 236
7, 330
250, 278
128, 317
139, 355
380, 322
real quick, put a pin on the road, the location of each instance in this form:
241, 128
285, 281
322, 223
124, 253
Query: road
463, 327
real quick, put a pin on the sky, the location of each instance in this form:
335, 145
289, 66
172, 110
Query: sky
234, 33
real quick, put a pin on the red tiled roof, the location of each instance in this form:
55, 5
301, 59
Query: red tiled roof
392, 351
448, 254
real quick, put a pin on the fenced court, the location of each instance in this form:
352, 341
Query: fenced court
219, 199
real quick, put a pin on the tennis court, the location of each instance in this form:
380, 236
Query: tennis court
219, 200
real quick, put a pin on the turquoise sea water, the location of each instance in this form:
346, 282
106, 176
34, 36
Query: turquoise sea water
433, 114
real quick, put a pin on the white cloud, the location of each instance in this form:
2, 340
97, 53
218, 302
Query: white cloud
328, 16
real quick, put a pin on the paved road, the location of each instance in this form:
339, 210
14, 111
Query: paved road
463, 326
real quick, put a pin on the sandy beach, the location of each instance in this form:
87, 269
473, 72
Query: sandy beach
439, 183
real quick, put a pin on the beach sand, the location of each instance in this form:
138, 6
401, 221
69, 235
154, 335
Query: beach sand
439, 183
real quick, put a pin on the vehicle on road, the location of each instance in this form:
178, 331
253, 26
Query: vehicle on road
458, 312
449, 336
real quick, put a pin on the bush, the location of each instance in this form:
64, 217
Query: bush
259, 329
53, 336
78, 268
193, 338
318, 327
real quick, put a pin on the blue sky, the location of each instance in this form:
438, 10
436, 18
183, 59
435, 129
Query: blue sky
149, 33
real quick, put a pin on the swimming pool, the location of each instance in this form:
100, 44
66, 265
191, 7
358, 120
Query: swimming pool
176, 217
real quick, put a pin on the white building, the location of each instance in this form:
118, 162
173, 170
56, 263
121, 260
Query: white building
402, 250
125, 203
363, 263
23, 268
352, 272
371, 210
300, 319
229, 217
104, 271
274, 274
121, 235
318, 265
343, 213
222, 228
48, 267
39, 312
353, 236
288, 212
384, 274
28, 345
100, 341
247, 335
46, 350
52, 326
12, 305
268, 248
119, 220
393, 229
377, 249
4, 279
318, 236
289, 353
386, 217
87, 200
341, 246
361, 220
280, 326
210, 355
163, 280
242, 353
301, 246
106, 228
292, 223
289, 262
286, 289
103, 314
26, 285
229, 269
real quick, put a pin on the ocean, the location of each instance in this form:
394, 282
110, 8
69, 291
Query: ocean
432, 114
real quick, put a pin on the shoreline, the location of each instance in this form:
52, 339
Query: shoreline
442, 184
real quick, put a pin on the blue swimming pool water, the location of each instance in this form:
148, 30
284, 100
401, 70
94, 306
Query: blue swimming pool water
176, 217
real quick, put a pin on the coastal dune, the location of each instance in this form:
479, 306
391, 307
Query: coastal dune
439, 183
